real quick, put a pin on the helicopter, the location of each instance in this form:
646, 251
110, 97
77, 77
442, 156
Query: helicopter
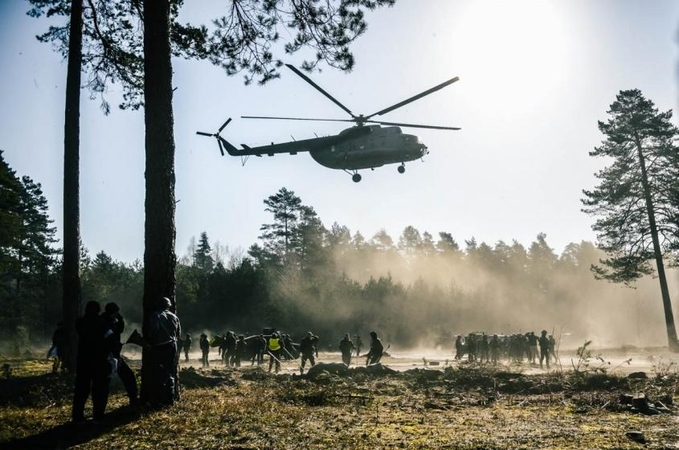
366, 145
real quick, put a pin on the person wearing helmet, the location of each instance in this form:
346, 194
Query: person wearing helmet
186, 346
115, 322
376, 350
544, 348
164, 330
205, 350
345, 347
307, 348
259, 349
59, 345
93, 371
274, 348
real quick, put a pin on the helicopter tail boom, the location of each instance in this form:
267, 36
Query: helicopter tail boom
226, 145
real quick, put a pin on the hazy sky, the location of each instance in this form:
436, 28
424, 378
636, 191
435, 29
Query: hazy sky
535, 77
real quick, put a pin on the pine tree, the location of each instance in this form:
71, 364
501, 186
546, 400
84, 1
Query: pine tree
27, 256
541, 263
37, 234
280, 236
10, 220
447, 244
202, 257
410, 242
310, 240
637, 199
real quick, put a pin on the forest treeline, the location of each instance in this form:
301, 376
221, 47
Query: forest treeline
419, 289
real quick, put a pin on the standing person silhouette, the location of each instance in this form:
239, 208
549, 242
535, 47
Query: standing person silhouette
376, 350
115, 322
163, 333
93, 370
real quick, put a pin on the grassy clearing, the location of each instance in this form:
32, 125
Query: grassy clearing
461, 408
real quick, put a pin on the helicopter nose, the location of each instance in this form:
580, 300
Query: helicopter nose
423, 149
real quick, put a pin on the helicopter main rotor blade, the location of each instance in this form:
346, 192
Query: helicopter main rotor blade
416, 97
320, 89
202, 133
413, 125
296, 118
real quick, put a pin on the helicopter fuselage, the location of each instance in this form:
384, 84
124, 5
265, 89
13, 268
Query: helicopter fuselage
368, 147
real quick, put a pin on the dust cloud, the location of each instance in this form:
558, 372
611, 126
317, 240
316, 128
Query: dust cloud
421, 300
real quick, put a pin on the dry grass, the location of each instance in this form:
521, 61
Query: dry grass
463, 408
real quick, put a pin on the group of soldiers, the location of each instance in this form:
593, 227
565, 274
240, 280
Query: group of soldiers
99, 352
233, 349
514, 348
278, 347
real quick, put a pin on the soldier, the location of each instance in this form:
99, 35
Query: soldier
346, 346
163, 332
459, 348
274, 349
205, 349
532, 346
230, 348
180, 345
376, 350
520, 345
544, 348
359, 345
116, 324
552, 348
494, 349
187, 346
239, 351
471, 347
59, 343
93, 371
307, 348
259, 349
483, 349
220, 342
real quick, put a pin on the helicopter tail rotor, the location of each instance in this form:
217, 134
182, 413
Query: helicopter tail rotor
216, 135
203, 133
224, 125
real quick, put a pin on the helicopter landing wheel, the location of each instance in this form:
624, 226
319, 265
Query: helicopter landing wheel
401, 168
356, 177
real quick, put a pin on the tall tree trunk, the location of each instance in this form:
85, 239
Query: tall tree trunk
71, 265
664, 291
159, 227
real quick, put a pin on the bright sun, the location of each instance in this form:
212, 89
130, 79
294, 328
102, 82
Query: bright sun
512, 46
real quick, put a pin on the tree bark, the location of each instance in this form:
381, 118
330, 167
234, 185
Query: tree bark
71, 301
664, 291
159, 227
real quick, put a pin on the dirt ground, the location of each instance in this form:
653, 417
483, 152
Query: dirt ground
455, 405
